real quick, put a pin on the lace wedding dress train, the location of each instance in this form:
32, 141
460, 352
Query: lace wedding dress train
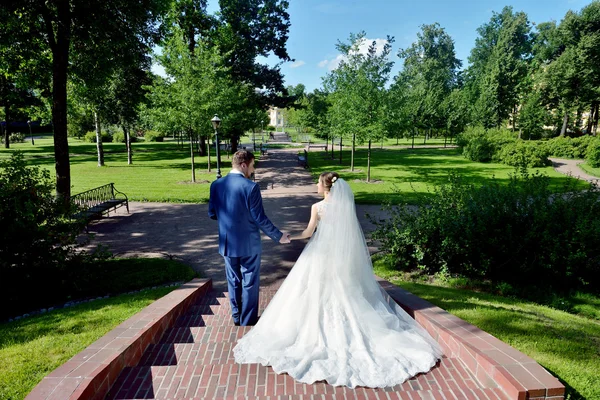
331, 321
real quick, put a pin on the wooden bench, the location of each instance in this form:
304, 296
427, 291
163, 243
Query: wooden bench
316, 146
92, 203
303, 159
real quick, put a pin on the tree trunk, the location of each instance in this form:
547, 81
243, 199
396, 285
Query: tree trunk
340, 150
369, 162
60, 61
590, 120
208, 154
332, 147
595, 126
7, 128
445, 137
192, 155
413, 137
353, 150
99, 140
128, 144
563, 130
203, 148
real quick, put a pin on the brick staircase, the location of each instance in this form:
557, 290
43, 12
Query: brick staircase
194, 360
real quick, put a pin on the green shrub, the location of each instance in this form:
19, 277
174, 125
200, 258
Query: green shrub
90, 137
119, 137
154, 136
37, 243
523, 154
566, 147
481, 145
519, 233
270, 128
593, 153
14, 138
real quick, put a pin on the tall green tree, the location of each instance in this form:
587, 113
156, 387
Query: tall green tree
498, 65
429, 74
84, 38
358, 91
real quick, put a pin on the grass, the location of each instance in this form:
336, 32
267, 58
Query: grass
162, 171
406, 174
590, 170
32, 347
565, 344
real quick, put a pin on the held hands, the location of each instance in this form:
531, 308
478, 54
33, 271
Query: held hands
285, 238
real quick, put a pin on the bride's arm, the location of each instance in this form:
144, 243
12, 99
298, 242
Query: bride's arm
312, 224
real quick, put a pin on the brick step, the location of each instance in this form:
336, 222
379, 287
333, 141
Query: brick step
219, 381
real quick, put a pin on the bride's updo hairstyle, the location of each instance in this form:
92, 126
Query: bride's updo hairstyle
328, 178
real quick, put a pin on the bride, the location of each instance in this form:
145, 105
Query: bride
330, 320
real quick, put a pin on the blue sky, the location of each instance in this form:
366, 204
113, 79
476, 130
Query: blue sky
317, 25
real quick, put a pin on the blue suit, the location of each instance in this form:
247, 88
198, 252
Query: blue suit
236, 203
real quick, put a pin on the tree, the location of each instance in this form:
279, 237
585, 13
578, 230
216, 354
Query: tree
358, 90
429, 75
498, 66
73, 38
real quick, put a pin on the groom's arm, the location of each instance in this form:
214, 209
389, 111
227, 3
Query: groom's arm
212, 213
258, 214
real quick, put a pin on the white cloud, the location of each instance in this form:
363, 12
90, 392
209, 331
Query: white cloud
158, 70
297, 64
363, 48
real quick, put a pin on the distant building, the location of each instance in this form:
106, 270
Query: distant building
276, 118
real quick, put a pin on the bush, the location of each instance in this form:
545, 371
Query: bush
14, 138
593, 153
119, 137
524, 154
90, 137
481, 145
566, 147
520, 234
37, 243
154, 136
270, 128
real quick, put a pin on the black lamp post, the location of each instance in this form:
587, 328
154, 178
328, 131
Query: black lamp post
30, 134
216, 122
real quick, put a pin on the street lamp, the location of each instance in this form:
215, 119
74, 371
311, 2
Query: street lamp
30, 134
216, 122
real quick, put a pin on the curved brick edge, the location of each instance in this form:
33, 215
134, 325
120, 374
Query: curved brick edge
493, 362
90, 373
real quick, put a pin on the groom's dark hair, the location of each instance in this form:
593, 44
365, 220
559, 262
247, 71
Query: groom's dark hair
240, 157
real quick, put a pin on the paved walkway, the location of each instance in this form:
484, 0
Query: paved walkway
183, 231
571, 167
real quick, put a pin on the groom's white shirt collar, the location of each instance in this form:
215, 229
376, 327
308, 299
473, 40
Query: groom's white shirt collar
236, 171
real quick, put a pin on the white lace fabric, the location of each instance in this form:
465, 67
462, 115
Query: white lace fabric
331, 321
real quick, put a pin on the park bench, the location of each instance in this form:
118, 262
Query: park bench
92, 203
303, 159
316, 146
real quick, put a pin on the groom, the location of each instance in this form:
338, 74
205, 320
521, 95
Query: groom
236, 203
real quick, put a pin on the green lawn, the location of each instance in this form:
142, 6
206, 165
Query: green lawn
162, 171
590, 170
405, 174
32, 347
567, 345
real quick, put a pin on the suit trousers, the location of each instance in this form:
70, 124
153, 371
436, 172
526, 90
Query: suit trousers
243, 282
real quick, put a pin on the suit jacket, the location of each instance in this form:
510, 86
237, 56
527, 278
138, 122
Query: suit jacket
236, 203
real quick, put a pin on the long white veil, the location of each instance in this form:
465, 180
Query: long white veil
339, 230
331, 320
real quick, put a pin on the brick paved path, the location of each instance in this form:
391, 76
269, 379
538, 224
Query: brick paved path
194, 360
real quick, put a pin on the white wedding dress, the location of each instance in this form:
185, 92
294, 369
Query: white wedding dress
330, 320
